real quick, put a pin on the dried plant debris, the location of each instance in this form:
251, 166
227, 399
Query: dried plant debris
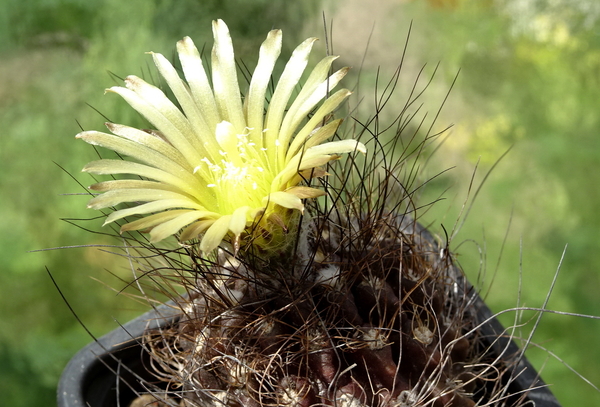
377, 316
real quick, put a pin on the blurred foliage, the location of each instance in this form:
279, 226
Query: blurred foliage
529, 78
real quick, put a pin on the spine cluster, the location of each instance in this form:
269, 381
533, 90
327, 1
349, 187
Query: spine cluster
372, 314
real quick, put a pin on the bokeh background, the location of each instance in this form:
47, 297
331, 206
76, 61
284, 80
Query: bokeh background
529, 78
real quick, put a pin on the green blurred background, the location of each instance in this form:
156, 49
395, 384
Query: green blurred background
530, 78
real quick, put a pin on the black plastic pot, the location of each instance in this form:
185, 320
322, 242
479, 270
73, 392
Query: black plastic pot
107, 373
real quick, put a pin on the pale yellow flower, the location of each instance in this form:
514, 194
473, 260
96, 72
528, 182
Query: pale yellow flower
222, 161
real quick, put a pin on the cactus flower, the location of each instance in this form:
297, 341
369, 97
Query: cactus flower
219, 162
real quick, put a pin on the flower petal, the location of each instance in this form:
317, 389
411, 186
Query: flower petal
334, 147
176, 176
239, 220
228, 140
153, 220
173, 226
326, 108
148, 139
131, 148
269, 52
299, 111
224, 77
316, 137
305, 192
195, 229
285, 86
215, 234
181, 92
179, 134
321, 91
195, 75
316, 161
157, 99
156, 206
285, 199
115, 197
130, 184
299, 162
322, 134
316, 77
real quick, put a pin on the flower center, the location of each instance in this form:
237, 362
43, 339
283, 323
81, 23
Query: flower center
238, 178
